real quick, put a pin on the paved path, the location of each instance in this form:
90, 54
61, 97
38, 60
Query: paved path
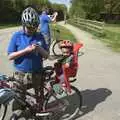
98, 75
98, 79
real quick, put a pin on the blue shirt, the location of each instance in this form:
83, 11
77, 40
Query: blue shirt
31, 62
44, 23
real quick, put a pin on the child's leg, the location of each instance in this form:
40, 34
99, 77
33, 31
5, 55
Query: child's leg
62, 81
61, 77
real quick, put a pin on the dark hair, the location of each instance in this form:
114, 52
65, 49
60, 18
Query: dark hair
45, 10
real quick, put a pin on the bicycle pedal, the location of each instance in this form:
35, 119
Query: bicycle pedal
60, 92
57, 88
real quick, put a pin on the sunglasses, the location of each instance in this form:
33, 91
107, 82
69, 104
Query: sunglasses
33, 26
30, 28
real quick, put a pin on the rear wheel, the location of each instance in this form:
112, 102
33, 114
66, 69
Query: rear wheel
64, 106
3, 110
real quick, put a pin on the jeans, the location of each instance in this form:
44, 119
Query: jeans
47, 39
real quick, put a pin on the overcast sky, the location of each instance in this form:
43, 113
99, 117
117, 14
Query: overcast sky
66, 2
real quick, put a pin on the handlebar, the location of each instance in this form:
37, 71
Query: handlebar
6, 78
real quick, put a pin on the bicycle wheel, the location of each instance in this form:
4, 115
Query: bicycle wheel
3, 110
64, 106
56, 48
23, 115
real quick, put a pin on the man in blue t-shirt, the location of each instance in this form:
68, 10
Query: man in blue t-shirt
44, 25
27, 48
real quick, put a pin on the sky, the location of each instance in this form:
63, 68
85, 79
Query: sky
66, 2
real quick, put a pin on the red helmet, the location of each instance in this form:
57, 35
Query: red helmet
66, 44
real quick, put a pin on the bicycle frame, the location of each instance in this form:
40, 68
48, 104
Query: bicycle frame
47, 111
4, 84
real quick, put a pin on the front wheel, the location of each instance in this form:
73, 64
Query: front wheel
64, 106
3, 110
56, 48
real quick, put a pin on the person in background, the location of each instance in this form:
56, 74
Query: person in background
27, 48
44, 27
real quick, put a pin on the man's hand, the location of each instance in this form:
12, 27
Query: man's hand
30, 48
20, 53
55, 13
42, 51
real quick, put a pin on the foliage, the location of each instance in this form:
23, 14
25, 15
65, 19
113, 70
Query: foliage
112, 36
11, 10
65, 34
92, 9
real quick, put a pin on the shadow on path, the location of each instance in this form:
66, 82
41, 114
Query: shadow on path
91, 98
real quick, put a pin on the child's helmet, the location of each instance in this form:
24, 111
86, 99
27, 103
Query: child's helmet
66, 44
30, 17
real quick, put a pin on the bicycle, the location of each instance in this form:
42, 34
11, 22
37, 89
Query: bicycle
57, 101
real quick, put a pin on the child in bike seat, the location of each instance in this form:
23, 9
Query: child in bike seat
67, 66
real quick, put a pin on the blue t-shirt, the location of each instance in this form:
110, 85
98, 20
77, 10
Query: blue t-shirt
31, 62
44, 24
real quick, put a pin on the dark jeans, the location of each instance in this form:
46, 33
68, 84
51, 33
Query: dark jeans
47, 39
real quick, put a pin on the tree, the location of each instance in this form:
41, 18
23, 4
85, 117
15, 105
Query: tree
11, 10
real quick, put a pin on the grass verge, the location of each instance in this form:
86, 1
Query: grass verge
2, 26
65, 34
112, 36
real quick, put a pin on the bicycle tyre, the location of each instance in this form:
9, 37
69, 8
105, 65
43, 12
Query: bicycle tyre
55, 48
3, 110
16, 116
72, 113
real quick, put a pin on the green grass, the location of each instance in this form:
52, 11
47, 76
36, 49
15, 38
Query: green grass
65, 34
113, 27
112, 36
2, 26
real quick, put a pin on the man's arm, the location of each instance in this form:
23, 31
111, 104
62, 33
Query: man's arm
43, 52
20, 53
17, 54
54, 16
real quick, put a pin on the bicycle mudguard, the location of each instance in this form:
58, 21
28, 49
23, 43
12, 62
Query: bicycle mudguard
6, 95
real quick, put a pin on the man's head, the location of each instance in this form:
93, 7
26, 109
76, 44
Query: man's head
30, 20
66, 47
45, 11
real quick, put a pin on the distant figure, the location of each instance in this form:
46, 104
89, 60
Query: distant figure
45, 19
